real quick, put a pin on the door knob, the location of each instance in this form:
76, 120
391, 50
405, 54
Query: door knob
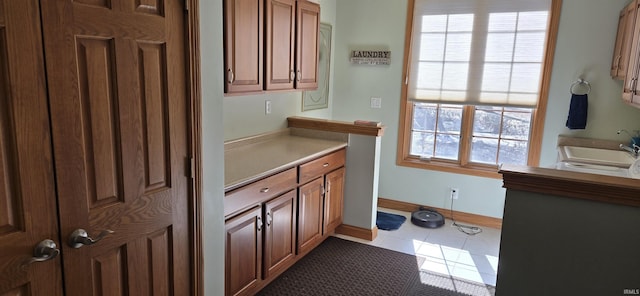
44, 251
80, 237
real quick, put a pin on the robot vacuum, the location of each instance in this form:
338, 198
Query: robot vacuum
427, 218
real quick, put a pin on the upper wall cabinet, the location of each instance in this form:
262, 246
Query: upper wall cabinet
624, 38
631, 33
307, 45
243, 39
290, 45
280, 44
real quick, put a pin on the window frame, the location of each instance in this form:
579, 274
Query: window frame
463, 165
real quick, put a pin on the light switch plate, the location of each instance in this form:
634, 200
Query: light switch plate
376, 102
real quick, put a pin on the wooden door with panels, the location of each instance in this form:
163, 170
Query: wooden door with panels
119, 114
27, 189
118, 126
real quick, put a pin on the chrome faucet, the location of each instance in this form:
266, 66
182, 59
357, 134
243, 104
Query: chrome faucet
633, 147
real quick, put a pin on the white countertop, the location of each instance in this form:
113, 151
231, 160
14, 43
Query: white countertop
261, 157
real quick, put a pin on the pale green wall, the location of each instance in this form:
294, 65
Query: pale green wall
585, 45
212, 146
244, 115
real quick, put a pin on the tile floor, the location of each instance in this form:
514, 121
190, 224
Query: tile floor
447, 250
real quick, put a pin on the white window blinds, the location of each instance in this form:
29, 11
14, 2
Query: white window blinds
478, 52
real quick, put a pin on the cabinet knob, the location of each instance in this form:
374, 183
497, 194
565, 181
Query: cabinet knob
326, 164
264, 190
292, 75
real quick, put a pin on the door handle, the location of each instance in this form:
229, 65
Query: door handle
44, 251
80, 237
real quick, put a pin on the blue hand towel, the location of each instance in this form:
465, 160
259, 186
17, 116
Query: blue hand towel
578, 112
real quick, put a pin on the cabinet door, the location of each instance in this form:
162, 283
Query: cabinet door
280, 44
307, 44
310, 208
243, 253
617, 49
333, 200
624, 40
279, 241
630, 81
243, 37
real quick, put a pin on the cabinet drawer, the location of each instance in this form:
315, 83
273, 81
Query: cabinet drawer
322, 165
259, 191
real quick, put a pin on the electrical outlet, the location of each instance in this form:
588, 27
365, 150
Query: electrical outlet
453, 192
267, 107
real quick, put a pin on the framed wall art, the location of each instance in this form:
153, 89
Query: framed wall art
319, 99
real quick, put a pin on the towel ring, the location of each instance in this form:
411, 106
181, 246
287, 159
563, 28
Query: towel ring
580, 82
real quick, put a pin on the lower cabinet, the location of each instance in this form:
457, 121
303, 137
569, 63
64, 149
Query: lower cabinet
280, 234
310, 210
268, 230
243, 253
333, 200
320, 201
270, 225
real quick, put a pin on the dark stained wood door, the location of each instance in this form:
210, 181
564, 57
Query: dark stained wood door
27, 188
116, 76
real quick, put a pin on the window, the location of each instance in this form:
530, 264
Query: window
477, 75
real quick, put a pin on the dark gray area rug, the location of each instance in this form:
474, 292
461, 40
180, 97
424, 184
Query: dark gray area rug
342, 267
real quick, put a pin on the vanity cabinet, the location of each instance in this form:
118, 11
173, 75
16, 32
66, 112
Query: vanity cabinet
289, 41
272, 222
260, 232
320, 199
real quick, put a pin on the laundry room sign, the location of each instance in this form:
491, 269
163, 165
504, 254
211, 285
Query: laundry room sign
370, 57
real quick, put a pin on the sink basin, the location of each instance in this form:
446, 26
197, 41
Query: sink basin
593, 169
605, 157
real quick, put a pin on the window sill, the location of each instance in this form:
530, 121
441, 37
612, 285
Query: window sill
449, 167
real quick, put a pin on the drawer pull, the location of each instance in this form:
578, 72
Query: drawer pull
326, 164
264, 190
